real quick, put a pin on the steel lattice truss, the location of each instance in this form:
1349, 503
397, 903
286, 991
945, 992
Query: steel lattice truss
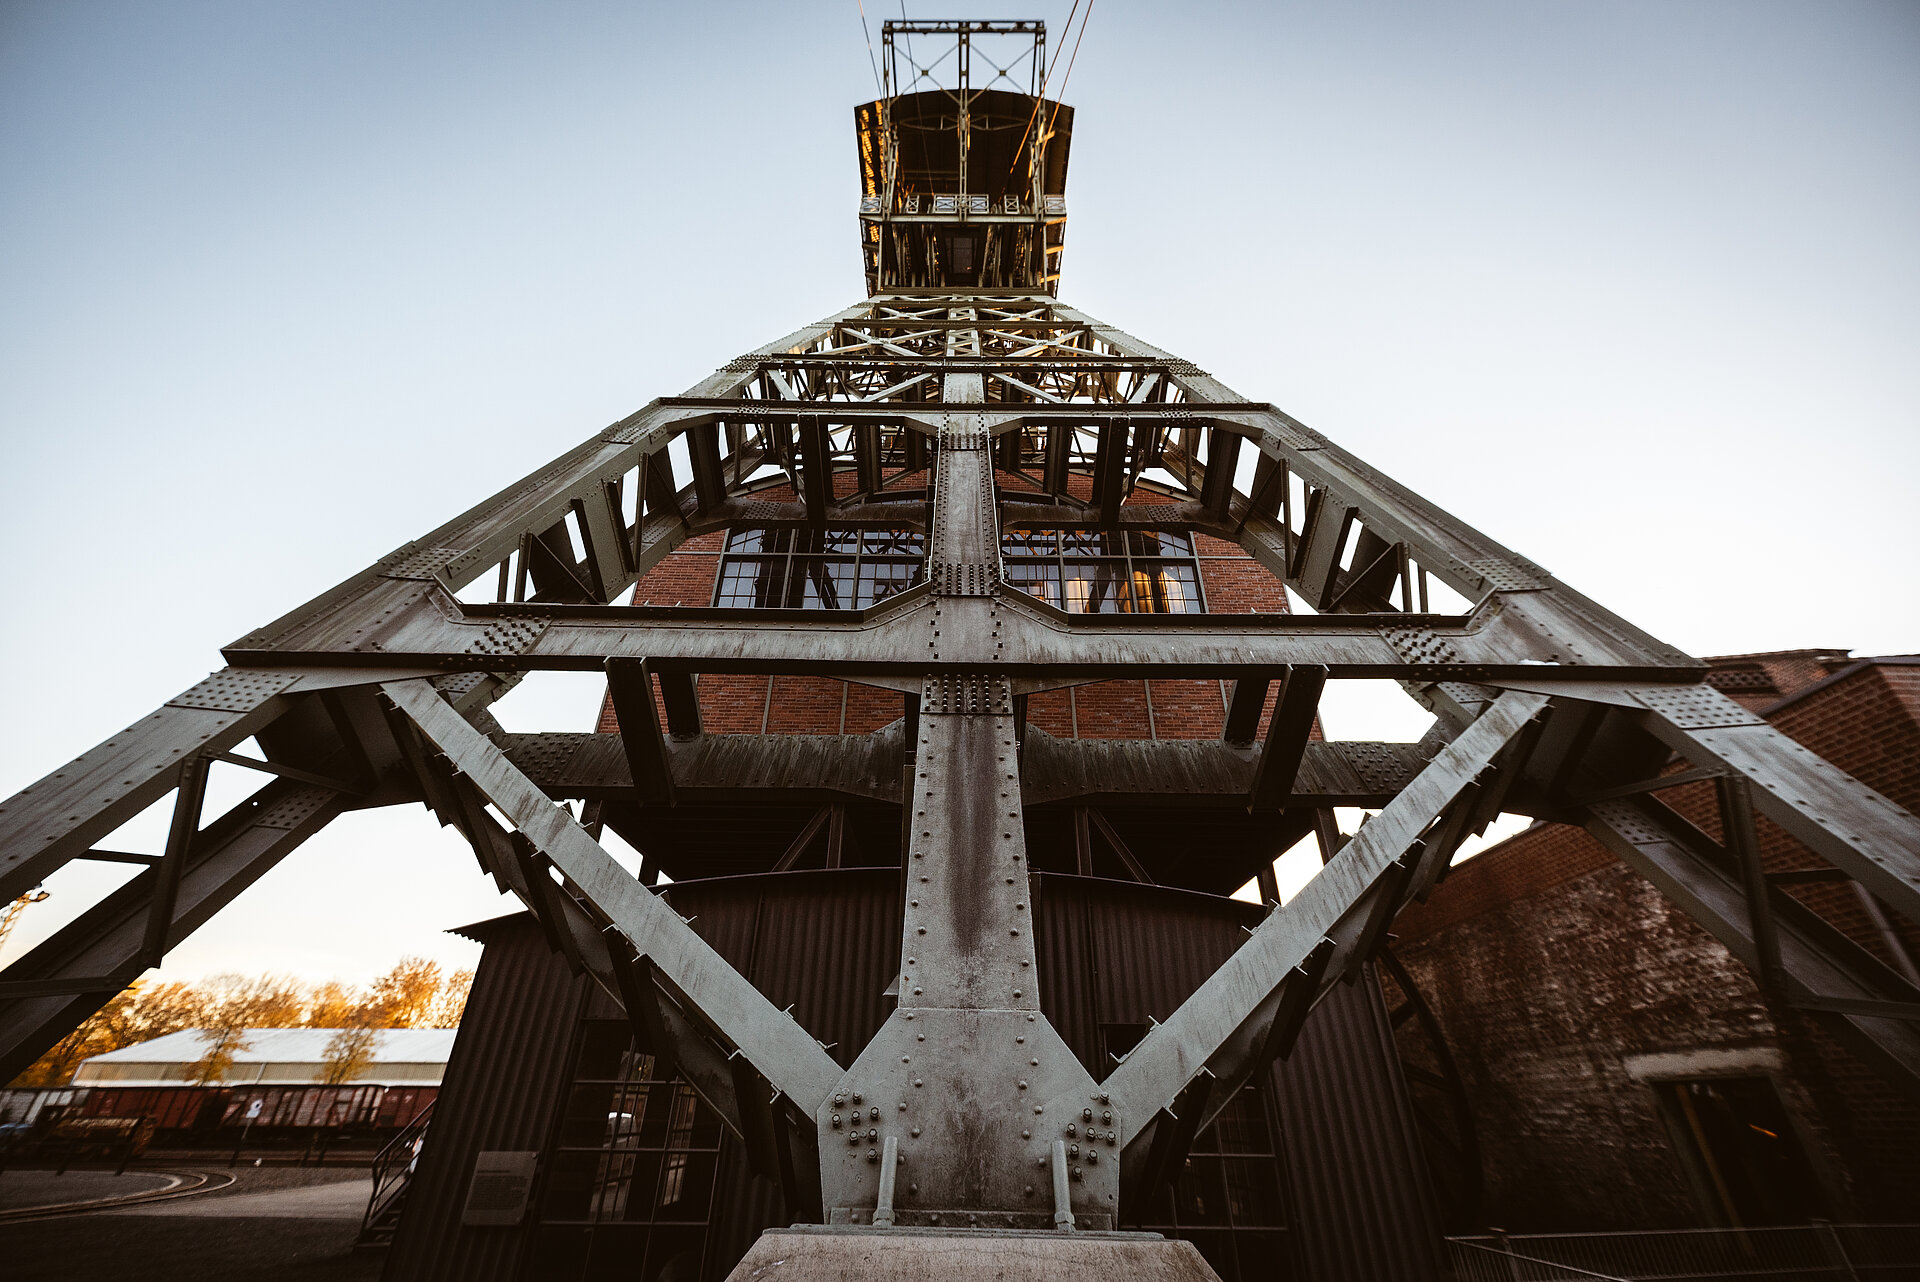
962, 413
376, 693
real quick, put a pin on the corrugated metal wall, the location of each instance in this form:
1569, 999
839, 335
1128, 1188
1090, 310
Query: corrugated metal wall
503, 1084
1363, 1206
1121, 953
828, 942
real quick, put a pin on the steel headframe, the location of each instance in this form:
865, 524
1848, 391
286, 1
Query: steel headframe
915, 409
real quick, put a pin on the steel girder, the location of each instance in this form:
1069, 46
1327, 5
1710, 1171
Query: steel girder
376, 693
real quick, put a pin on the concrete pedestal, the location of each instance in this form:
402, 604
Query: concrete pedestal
820, 1253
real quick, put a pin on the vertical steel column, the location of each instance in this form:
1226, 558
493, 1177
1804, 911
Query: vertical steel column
954, 1086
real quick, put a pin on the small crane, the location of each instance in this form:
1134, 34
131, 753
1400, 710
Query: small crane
14, 910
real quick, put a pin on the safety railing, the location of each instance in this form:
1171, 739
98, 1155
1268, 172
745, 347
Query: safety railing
1843, 1252
392, 1176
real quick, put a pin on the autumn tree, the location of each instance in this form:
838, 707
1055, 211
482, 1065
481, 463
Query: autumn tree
414, 994
138, 1013
260, 1001
404, 997
224, 1045
450, 1002
348, 1054
334, 1005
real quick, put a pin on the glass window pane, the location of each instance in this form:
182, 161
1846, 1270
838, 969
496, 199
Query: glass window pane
1036, 578
1159, 543
1167, 587
570, 1186
626, 1116
882, 579
755, 539
1200, 1194
686, 1186
1253, 1190
895, 543
654, 1116
603, 1042
821, 583
751, 582
1081, 543
1097, 587
1242, 1125
585, 1121
1029, 542
841, 539
613, 1180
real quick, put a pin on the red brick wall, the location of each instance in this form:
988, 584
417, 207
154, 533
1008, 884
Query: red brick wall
1549, 963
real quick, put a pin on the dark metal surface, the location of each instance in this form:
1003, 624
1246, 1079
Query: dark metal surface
502, 1086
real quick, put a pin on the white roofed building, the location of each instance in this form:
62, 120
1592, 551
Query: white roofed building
274, 1057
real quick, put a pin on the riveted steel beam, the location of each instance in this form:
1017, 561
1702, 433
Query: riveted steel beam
772, 1041
1223, 1025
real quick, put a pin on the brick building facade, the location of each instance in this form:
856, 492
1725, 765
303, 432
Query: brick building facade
1231, 582
1623, 1069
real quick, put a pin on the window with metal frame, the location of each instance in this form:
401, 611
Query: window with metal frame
1106, 571
630, 1183
834, 568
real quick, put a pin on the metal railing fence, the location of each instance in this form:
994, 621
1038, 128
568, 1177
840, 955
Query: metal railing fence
1814, 1253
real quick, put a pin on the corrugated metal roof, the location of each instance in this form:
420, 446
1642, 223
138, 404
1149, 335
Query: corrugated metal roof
285, 1046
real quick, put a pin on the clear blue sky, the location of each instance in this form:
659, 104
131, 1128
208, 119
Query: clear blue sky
1630, 286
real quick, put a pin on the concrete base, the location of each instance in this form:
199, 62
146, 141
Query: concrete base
823, 1253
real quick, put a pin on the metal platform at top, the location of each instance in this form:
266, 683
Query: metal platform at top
963, 160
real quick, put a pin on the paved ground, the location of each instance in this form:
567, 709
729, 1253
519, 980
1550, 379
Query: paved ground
20, 1189
274, 1224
